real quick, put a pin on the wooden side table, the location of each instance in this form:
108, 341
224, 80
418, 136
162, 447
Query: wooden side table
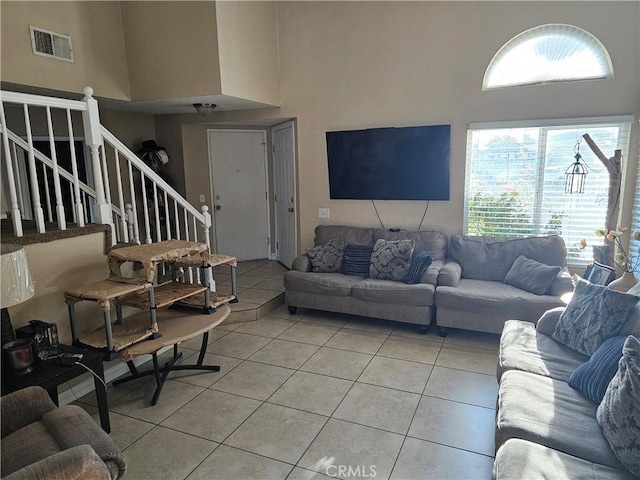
51, 375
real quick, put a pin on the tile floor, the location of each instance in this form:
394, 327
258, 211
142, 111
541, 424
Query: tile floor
315, 395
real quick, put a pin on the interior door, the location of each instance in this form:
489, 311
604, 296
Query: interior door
239, 180
285, 189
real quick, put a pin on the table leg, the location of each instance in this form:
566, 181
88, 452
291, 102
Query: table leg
101, 395
53, 393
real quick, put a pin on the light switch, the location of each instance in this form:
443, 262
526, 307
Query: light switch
324, 213
201, 198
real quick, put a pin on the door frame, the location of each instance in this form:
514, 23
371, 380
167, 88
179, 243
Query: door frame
265, 163
275, 128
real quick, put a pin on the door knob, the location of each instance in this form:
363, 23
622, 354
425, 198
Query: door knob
218, 207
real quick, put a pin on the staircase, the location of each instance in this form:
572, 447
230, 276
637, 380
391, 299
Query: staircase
56, 190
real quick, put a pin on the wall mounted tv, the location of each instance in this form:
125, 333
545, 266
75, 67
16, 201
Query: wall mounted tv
405, 163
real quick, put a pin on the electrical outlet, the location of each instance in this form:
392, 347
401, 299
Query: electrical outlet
201, 198
324, 213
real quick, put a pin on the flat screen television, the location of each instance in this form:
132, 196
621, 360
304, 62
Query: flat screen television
405, 163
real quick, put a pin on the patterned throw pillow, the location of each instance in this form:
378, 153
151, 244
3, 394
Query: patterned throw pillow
594, 314
619, 412
327, 258
390, 259
592, 377
356, 260
419, 265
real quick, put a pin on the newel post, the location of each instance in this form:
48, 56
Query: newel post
93, 139
206, 226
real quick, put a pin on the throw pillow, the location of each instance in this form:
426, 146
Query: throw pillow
390, 259
619, 412
356, 260
419, 264
327, 258
527, 274
592, 377
594, 314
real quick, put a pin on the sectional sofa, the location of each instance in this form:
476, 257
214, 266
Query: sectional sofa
463, 287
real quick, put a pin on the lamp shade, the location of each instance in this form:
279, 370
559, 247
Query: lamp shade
16, 284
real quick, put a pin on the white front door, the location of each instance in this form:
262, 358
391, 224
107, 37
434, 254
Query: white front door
239, 181
284, 174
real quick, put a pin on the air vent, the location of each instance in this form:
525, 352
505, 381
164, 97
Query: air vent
51, 44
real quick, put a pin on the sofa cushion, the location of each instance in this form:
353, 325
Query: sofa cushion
335, 284
390, 259
592, 377
563, 283
530, 275
419, 264
433, 241
594, 314
356, 260
524, 348
518, 459
490, 258
619, 412
549, 412
488, 297
394, 293
327, 258
351, 235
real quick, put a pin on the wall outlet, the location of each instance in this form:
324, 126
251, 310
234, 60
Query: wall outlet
201, 198
324, 213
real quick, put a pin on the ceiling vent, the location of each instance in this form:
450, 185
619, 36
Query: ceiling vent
51, 44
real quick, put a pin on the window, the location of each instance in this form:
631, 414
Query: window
548, 53
515, 180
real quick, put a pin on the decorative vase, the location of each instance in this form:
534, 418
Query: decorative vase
624, 283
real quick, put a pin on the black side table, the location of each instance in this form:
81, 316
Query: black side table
50, 375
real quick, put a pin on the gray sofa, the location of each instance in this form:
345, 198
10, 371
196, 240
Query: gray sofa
386, 299
544, 428
471, 292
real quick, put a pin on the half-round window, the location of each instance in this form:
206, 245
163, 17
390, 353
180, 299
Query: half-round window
546, 54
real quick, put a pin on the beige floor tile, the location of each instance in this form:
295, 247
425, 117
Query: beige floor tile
253, 380
204, 378
303, 474
196, 342
242, 281
370, 325
326, 318
238, 345
228, 463
125, 430
455, 424
469, 338
308, 333
466, 387
231, 326
114, 393
384, 408
346, 444
266, 327
243, 312
275, 284
410, 349
271, 305
477, 360
357, 341
255, 295
283, 312
277, 432
284, 353
137, 403
422, 460
337, 363
312, 393
164, 453
90, 409
410, 330
398, 374
212, 415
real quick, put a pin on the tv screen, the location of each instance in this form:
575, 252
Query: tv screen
406, 163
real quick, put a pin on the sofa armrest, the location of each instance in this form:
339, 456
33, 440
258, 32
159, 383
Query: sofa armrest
22, 407
301, 263
563, 283
430, 275
546, 324
450, 274
76, 462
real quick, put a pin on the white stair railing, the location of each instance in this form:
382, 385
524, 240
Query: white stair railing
148, 209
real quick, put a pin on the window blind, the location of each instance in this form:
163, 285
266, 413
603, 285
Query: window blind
634, 247
515, 180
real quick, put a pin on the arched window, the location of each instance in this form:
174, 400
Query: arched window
546, 54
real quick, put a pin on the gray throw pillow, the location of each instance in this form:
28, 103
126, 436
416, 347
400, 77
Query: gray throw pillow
532, 276
619, 412
327, 258
390, 259
594, 314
